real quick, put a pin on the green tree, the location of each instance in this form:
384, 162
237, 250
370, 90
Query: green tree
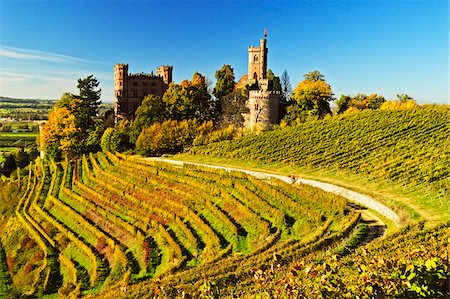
202, 107
403, 97
90, 94
274, 81
343, 103
314, 76
8, 165
115, 139
85, 109
189, 99
286, 93
233, 106
152, 110
22, 158
225, 81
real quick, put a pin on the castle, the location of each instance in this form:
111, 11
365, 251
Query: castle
130, 89
263, 102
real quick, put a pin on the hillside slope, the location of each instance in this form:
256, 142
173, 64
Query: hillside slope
406, 153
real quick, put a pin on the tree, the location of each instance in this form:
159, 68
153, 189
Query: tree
90, 94
343, 103
152, 110
403, 97
115, 139
274, 81
359, 102
233, 106
202, 107
314, 76
286, 93
59, 136
225, 81
8, 165
167, 137
189, 99
313, 96
22, 158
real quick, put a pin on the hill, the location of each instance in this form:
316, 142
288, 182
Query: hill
116, 226
399, 157
111, 226
81, 227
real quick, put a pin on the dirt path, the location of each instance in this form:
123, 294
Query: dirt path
377, 227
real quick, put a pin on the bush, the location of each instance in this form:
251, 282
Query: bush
168, 137
115, 139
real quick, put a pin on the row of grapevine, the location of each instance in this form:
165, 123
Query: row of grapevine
235, 203
407, 149
105, 221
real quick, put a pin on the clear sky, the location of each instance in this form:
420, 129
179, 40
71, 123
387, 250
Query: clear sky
384, 47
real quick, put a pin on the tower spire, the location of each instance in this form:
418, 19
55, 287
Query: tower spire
265, 32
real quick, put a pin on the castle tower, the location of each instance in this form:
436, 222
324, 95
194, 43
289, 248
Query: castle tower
165, 71
263, 102
120, 80
257, 61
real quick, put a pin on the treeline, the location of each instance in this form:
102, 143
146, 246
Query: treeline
20, 158
189, 112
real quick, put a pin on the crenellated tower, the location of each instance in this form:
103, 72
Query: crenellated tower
165, 71
257, 61
263, 102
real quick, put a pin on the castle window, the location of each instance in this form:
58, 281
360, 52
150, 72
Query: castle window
255, 58
255, 76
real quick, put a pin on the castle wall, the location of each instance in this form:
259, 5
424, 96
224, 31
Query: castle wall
264, 109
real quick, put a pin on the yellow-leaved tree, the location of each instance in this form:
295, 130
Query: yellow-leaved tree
311, 97
58, 136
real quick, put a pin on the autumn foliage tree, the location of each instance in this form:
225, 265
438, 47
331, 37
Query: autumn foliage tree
59, 137
167, 137
311, 97
359, 102
72, 128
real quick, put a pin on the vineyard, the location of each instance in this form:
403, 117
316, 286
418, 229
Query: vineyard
405, 150
107, 221
116, 226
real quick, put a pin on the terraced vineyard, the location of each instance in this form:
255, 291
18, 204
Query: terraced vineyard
104, 222
407, 150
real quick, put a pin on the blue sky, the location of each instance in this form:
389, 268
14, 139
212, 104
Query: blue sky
384, 47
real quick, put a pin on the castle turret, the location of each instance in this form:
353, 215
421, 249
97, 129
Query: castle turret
257, 61
165, 71
263, 102
263, 54
120, 85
